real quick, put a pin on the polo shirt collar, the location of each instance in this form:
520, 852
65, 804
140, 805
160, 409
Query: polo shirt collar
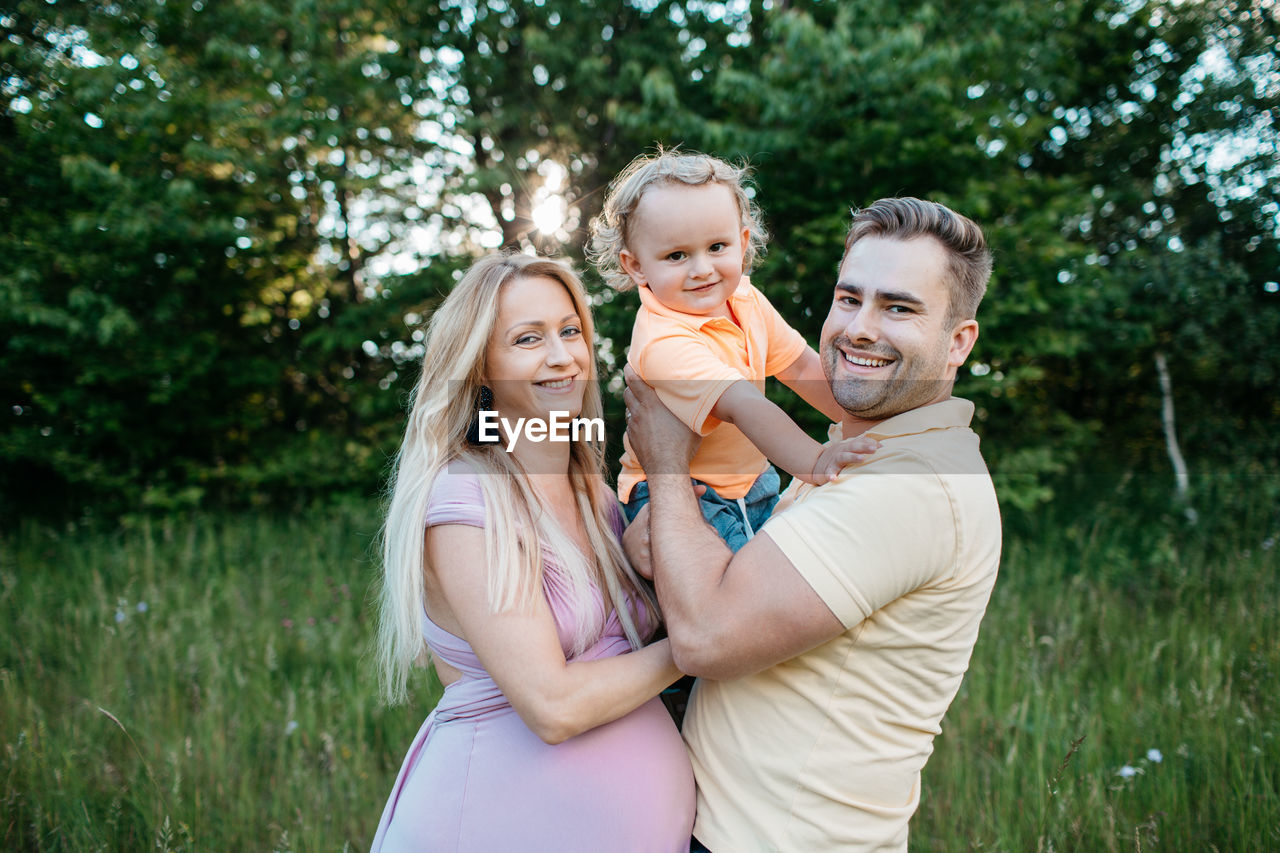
950, 413
651, 303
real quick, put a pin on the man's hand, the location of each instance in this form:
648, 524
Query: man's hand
661, 441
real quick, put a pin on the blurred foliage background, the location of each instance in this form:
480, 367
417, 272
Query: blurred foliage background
224, 221
223, 224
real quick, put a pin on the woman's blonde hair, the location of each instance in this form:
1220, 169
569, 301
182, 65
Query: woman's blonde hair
441, 408
611, 230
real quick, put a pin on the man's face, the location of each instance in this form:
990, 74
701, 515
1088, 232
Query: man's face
886, 344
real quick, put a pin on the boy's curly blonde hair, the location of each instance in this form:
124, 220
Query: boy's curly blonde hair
611, 229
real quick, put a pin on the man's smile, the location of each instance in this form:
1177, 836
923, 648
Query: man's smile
860, 360
863, 361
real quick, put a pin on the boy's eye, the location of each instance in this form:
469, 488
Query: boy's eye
718, 247
676, 256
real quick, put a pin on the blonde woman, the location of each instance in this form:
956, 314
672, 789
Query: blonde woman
502, 559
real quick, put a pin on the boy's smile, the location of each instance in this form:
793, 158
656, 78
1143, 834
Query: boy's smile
686, 244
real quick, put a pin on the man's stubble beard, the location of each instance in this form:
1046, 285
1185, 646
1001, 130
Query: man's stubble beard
879, 399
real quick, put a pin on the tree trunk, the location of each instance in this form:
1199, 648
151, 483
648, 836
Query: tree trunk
1181, 480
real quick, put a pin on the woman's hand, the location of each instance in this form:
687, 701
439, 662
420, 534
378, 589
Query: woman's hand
635, 542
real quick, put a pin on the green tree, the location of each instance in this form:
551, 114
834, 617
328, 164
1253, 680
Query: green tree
241, 205
194, 195
1083, 136
567, 91
225, 221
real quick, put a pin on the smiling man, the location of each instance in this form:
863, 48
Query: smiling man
831, 645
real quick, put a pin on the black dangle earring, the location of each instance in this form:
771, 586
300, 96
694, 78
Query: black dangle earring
484, 403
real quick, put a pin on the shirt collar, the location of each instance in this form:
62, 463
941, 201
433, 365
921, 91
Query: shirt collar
947, 414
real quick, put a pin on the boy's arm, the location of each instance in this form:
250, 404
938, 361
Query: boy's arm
777, 436
806, 377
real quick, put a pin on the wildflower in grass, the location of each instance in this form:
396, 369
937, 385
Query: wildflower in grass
120, 617
287, 624
290, 727
1127, 772
1155, 756
142, 607
1268, 543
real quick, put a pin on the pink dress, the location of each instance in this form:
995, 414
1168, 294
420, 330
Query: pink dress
477, 779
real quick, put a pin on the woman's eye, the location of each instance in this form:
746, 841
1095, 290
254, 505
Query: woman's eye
570, 331
526, 339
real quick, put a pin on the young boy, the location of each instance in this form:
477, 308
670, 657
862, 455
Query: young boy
681, 228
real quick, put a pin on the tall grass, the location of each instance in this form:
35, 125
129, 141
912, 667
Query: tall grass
197, 685
203, 684
1123, 694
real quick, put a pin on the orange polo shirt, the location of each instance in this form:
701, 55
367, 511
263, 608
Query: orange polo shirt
691, 360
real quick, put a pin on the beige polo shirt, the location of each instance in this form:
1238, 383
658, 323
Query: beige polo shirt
824, 751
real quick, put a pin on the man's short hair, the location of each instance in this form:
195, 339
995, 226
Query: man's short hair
968, 258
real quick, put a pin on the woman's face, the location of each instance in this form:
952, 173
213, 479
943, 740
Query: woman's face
538, 359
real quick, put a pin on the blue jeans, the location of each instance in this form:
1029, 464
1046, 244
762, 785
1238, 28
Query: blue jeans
725, 515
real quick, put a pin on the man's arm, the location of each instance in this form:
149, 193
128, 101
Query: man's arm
727, 615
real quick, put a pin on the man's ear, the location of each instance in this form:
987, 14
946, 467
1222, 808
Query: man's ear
631, 266
963, 337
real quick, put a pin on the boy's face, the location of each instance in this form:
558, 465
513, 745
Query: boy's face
686, 245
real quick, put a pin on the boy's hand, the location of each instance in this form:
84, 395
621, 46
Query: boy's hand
834, 457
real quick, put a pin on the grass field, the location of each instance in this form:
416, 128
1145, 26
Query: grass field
202, 684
